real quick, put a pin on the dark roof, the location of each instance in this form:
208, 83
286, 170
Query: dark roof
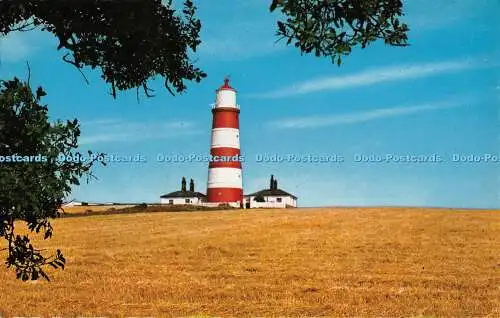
183, 194
272, 192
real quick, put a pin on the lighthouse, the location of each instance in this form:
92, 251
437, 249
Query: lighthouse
224, 175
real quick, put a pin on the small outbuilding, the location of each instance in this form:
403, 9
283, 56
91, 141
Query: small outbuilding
273, 197
183, 196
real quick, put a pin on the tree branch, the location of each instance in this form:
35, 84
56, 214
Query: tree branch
29, 72
77, 65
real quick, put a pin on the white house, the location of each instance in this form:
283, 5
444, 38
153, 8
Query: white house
78, 203
72, 203
183, 196
270, 198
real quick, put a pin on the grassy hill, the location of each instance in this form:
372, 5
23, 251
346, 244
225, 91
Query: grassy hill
301, 262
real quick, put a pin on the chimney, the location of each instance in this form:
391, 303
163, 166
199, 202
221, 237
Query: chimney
271, 183
191, 185
275, 184
183, 184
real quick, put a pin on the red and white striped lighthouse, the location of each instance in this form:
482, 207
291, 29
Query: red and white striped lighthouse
225, 176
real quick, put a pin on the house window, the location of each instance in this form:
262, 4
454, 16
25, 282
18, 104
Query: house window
170, 201
278, 199
188, 201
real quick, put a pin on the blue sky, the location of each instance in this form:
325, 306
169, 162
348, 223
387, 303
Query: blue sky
438, 96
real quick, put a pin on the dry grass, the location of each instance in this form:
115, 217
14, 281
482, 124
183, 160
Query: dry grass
94, 208
304, 262
140, 208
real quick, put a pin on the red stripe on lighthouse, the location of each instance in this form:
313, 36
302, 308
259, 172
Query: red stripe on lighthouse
228, 154
225, 117
224, 194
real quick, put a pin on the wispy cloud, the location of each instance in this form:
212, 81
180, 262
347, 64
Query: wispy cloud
373, 76
360, 117
20, 46
247, 30
432, 15
235, 48
109, 130
16, 47
99, 122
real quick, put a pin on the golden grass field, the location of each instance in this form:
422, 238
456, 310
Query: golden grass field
393, 262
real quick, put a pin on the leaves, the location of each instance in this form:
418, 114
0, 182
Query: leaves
281, 27
274, 5
332, 28
40, 93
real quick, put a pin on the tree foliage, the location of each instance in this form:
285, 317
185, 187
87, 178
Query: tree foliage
134, 41
130, 41
333, 27
33, 178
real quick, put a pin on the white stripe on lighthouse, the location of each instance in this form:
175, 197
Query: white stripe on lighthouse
226, 98
224, 178
226, 137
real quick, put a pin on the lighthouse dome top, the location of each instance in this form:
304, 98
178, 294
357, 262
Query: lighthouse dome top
226, 85
225, 96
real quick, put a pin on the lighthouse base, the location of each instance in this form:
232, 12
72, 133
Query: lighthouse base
224, 195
